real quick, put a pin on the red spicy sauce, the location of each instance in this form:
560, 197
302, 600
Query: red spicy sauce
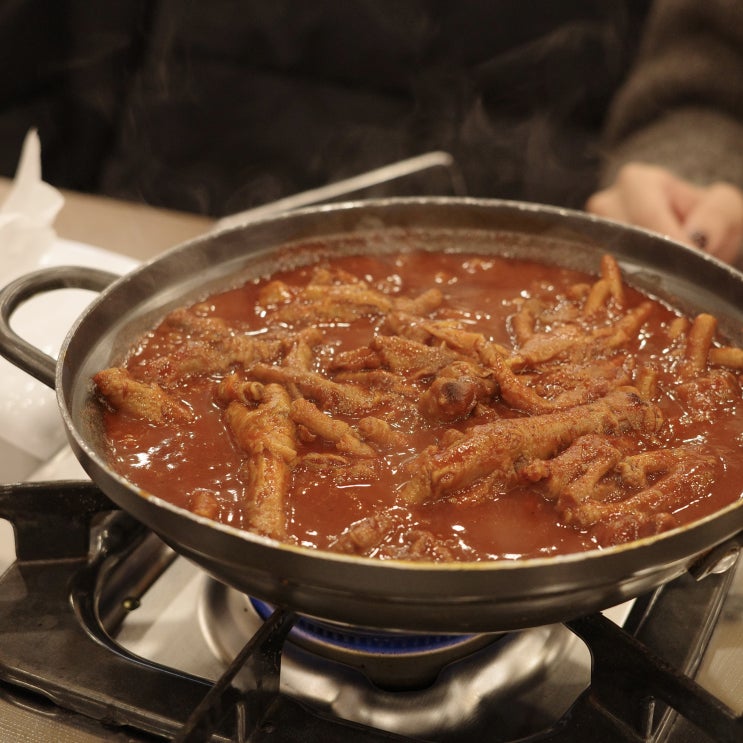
482, 294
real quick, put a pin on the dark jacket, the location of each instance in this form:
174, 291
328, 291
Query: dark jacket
215, 107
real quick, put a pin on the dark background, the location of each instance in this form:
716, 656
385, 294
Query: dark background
213, 107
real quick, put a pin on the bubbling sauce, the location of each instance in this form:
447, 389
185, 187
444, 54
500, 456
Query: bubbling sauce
436, 406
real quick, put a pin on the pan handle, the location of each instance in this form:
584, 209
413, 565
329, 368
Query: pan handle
19, 351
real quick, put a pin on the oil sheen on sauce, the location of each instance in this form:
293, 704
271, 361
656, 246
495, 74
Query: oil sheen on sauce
483, 293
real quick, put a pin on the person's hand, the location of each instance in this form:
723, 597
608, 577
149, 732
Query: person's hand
709, 218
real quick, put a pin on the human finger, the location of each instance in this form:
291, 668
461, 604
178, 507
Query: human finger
715, 224
653, 198
608, 204
683, 196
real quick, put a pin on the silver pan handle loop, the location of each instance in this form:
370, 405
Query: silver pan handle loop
16, 349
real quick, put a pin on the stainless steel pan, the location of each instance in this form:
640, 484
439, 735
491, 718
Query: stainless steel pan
440, 597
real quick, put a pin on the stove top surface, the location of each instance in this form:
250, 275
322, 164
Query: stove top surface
179, 619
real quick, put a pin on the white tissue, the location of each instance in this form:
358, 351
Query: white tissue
27, 216
31, 429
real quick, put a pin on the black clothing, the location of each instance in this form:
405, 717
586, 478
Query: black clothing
216, 107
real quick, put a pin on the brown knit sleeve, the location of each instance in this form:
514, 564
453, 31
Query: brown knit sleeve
682, 105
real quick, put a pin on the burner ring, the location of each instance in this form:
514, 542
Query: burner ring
427, 684
363, 640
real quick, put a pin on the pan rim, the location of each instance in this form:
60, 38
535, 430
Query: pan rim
558, 560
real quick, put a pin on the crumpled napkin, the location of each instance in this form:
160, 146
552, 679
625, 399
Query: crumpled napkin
30, 425
27, 215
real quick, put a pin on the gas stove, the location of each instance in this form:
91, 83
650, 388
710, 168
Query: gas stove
107, 635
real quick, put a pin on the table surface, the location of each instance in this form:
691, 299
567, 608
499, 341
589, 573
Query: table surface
135, 230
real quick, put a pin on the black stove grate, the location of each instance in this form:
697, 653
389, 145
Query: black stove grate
55, 642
